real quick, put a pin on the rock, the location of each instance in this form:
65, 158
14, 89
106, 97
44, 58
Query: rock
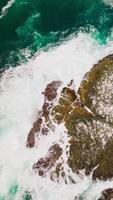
107, 194
45, 164
96, 89
51, 90
50, 94
104, 170
61, 111
83, 118
89, 133
87, 116
39, 126
96, 92
92, 136
36, 129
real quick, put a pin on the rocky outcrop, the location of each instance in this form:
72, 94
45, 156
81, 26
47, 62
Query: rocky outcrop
43, 123
96, 90
45, 164
105, 166
107, 194
61, 111
87, 116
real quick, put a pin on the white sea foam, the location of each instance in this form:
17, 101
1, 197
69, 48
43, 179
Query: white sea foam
20, 100
6, 7
109, 2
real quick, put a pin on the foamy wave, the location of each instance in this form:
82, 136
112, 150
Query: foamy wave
109, 2
20, 100
5, 8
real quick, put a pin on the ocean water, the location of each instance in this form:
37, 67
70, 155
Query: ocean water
42, 41
27, 26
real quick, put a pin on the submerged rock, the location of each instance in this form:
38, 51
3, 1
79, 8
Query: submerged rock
87, 116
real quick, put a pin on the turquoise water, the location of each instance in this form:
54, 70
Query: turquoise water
13, 191
29, 25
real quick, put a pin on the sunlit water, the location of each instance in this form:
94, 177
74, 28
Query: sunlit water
20, 100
